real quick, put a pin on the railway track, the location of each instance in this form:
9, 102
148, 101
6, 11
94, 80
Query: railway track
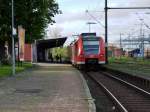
126, 96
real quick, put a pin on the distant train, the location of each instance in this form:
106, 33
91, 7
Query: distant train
88, 49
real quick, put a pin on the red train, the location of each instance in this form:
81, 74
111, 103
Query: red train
88, 49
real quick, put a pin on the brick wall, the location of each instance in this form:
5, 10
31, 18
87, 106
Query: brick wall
28, 52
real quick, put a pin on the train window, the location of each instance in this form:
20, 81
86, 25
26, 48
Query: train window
91, 46
89, 42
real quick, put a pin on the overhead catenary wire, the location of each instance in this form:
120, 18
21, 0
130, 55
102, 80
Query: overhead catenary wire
95, 19
142, 20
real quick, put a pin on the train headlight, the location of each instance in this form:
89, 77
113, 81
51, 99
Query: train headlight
102, 55
79, 51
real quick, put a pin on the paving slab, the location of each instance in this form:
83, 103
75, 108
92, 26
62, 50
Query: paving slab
47, 88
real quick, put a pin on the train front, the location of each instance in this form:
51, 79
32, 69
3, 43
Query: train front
94, 50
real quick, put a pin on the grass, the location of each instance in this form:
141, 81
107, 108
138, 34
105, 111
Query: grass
126, 60
136, 66
6, 70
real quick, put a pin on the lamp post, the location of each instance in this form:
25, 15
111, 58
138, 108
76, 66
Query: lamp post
13, 43
90, 23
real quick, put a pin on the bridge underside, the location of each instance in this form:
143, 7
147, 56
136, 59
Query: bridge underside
43, 45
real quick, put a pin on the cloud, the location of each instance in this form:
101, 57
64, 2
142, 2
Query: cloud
71, 17
73, 20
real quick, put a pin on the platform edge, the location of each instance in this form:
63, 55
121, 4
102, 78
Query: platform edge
92, 107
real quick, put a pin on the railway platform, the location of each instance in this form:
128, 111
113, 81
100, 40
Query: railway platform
46, 88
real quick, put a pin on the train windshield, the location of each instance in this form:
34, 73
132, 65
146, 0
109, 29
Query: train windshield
91, 46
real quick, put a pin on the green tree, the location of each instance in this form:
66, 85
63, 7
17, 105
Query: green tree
33, 15
5, 25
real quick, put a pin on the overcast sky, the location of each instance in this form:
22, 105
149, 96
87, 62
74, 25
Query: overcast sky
74, 18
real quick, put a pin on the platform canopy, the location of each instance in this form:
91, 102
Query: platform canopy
51, 43
43, 45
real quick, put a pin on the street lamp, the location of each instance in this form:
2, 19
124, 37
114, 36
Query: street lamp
13, 43
90, 23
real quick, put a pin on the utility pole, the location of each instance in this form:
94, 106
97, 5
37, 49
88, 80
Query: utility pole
130, 42
121, 40
121, 50
106, 32
143, 34
142, 40
13, 43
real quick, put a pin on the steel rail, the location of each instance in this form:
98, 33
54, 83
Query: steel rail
120, 106
132, 85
